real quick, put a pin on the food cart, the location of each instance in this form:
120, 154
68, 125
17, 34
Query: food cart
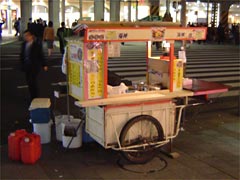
138, 120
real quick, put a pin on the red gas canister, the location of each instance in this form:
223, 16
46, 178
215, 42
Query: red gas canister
37, 141
14, 139
30, 148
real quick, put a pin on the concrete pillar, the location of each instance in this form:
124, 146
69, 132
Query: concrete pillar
129, 10
80, 9
26, 13
207, 19
136, 10
98, 10
167, 15
183, 18
224, 8
53, 13
115, 10
63, 10
9, 19
183, 13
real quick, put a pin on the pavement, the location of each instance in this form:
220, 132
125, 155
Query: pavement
8, 37
208, 147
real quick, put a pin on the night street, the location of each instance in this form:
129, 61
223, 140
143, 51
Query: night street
208, 146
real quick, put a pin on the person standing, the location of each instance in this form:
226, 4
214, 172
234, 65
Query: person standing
32, 60
17, 26
48, 36
220, 33
62, 33
1, 23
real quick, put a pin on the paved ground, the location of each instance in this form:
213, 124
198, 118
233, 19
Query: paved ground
208, 148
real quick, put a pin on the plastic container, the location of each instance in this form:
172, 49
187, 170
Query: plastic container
58, 125
44, 130
86, 138
70, 141
30, 148
40, 110
40, 115
14, 139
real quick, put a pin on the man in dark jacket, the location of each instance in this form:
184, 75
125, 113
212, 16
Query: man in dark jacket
32, 60
62, 33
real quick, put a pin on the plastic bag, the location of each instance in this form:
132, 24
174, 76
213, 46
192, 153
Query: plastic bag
64, 60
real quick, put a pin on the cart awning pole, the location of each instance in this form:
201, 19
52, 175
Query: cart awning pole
171, 63
148, 54
105, 76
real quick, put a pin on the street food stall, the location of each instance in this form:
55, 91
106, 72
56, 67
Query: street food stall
136, 119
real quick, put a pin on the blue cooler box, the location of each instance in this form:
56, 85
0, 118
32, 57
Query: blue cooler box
40, 110
40, 115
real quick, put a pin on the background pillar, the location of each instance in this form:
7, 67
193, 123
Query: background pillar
63, 10
224, 8
154, 7
183, 13
26, 13
53, 13
80, 9
98, 10
167, 15
129, 10
114, 10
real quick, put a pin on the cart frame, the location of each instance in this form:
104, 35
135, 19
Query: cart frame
107, 32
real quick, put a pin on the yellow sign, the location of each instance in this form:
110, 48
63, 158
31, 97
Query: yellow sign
74, 73
75, 69
94, 68
177, 75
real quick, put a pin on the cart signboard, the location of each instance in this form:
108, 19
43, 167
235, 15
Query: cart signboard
145, 34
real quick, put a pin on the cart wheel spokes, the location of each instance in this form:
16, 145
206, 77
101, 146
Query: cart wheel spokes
143, 129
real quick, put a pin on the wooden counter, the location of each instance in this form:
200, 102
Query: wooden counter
136, 97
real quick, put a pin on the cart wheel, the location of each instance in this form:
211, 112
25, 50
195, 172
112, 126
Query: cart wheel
140, 130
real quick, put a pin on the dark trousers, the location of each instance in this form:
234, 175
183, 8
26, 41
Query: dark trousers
32, 83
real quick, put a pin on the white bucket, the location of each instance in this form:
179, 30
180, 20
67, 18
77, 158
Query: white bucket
58, 125
75, 142
44, 130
